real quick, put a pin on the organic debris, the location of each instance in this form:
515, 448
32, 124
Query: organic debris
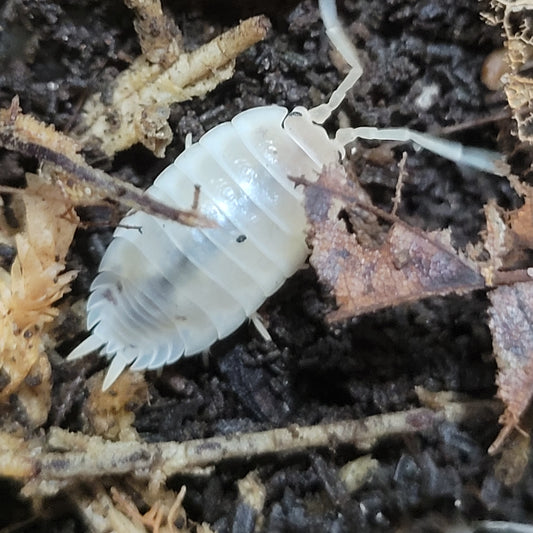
120, 514
15, 456
27, 296
511, 326
494, 68
83, 184
508, 241
159, 37
252, 496
408, 265
516, 20
521, 221
110, 414
139, 106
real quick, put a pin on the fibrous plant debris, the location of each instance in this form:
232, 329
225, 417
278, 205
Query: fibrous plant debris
138, 109
516, 18
114, 510
37, 280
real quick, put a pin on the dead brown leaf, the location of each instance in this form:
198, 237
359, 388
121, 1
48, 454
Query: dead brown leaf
408, 265
508, 239
512, 336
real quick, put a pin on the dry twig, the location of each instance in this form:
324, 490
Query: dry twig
138, 109
83, 183
83, 457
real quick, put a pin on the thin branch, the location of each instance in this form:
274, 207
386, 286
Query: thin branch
92, 457
24, 134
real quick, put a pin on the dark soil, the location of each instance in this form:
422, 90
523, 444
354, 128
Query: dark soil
55, 54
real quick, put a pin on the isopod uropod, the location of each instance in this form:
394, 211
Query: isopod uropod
167, 290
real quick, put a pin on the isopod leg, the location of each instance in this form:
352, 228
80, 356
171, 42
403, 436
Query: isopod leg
257, 321
337, 35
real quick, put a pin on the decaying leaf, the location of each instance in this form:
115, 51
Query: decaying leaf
512, 334
138, 108
508, 241
408, 265
411, 264
37, 281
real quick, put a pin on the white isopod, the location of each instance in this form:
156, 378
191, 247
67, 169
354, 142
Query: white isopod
166, 290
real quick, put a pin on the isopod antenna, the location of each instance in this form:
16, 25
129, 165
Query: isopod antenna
478, 158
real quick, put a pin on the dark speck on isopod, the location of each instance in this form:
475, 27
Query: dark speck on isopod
110, 296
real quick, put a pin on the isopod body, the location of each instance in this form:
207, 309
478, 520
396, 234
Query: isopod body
165, 290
